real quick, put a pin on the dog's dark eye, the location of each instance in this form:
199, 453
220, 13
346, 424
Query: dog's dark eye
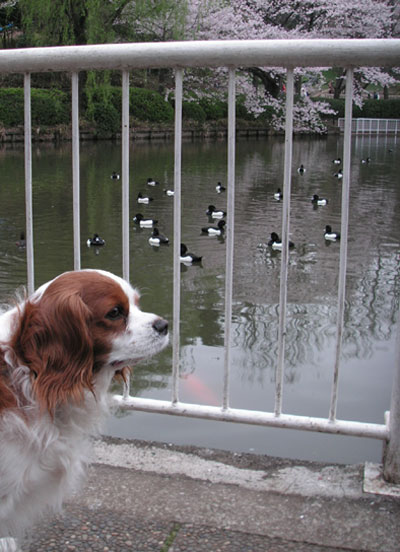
114, 313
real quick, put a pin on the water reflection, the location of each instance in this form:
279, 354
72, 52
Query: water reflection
372, 294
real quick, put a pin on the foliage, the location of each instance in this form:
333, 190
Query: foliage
193, 111
214, 108
260, 90
48, 107
156, 20
371, 109
147, 105
144, 104
284, 19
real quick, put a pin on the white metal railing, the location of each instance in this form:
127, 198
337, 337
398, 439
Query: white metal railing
231, 54
372, 126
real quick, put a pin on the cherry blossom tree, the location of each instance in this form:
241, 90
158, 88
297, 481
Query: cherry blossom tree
284, 19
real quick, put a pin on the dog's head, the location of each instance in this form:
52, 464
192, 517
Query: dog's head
79, 330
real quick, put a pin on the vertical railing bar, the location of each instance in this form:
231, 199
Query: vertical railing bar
343, 240
125, 175
76, 170
391, 456
28, 183
285, 242
125, 196
177, 235
230, 235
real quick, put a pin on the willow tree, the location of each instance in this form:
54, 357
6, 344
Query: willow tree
75, 22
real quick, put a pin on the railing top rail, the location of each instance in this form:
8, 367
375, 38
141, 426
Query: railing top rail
213, 53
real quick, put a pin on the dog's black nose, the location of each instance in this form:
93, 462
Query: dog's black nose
161, 326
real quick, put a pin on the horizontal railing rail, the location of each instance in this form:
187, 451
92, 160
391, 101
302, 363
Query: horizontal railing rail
288, 54
211, 53
372, 126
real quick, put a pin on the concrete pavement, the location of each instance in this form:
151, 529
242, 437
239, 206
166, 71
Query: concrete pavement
152, 497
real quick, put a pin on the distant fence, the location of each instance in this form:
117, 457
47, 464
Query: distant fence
372, 126
231, 55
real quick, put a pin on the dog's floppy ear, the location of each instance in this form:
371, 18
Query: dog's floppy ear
54, 342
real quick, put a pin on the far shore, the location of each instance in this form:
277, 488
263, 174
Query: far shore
62, 133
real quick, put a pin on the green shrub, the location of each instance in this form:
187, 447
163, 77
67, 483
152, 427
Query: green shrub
147, 105
193, 111
379, 109
11, 106
267, 115
241, 110
106, 118
214, 109
48, 107
371, 109
144, 105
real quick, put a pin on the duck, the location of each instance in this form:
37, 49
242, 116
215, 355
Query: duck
214, 212
276, 243
215, 231
187, 257
96, 240
316, 200
278, 194
169, 192
337, 161
22, 241
329, 235
143, 199
367, 160
157, 239
114, 175
151, 182
339, 174
301, 169
142, 222
220, 188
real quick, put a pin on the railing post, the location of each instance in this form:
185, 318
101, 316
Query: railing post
177, 234
125, 175
28, 182
391, 457
287, 180
76, 170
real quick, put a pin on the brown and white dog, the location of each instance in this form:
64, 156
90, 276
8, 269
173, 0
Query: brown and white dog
59, 351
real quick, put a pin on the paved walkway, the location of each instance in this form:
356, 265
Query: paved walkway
147, 497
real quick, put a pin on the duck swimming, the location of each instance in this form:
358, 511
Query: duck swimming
143, 199
142, 222
157, 239
220, 188
329, 235
301, 169
21, 242
276, 243
214, 212
316, 200
214, 231
151, 182
114, 175
278, 194
337, 161
339, 174
187, 257
96, 240
169, 192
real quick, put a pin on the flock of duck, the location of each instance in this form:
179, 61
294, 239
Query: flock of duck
156, 238
276, 243
214, 214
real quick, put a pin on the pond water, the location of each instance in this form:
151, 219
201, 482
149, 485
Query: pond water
372, 292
